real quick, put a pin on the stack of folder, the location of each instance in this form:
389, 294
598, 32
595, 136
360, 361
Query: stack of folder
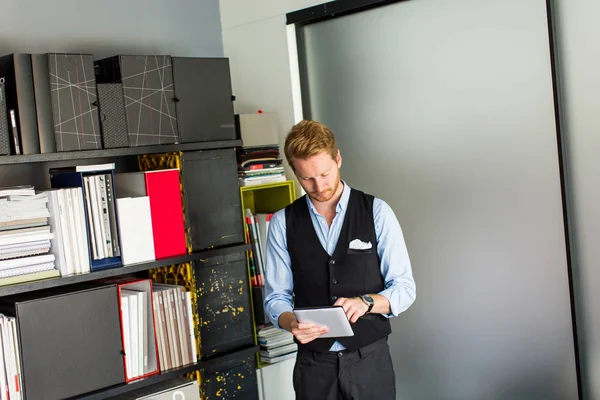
68, 226
276, 345
137, 328
174, 326
25, 237
151, 218
97, 211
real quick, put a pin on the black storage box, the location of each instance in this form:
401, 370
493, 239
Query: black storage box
223, 304
204, 99
148, 95
69, 341
233, 379
213, 207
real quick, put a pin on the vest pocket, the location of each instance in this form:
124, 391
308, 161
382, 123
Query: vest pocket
356, 251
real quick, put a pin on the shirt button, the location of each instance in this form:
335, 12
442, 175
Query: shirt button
332, 262
340, 354
334, 298
334, 281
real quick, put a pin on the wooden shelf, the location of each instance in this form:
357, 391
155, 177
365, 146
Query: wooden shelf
107, 273
170, 374
125, 151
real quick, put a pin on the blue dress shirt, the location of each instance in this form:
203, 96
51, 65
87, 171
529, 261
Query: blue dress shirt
395, 265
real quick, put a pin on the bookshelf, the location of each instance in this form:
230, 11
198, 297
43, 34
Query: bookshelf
207, 363
88, 331
263, 199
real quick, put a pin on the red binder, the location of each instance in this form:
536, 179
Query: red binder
164, 189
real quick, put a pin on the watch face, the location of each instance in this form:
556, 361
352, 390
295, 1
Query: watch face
368, 299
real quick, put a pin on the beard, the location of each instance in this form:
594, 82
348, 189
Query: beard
327, 194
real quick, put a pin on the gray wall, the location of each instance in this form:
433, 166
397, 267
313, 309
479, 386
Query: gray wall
445, 110
577, 31
108, 27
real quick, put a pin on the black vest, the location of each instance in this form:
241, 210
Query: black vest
319, 279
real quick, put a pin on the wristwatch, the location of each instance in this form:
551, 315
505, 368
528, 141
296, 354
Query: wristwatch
368, 300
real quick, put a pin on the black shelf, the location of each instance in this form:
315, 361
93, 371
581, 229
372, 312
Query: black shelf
129, 269
125, 151
170, 374
214, 362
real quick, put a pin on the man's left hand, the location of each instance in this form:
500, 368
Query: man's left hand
354, 307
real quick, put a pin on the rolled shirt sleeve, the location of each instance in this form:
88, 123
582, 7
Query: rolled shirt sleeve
396, 270
279, 281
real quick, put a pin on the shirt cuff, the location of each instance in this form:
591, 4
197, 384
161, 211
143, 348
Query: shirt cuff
276, 310
388, 294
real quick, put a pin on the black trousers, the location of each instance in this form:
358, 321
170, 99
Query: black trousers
366, 374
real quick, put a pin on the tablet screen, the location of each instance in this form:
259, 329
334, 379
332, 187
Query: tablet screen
334, 318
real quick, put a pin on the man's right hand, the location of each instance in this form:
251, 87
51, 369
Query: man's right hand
305, 333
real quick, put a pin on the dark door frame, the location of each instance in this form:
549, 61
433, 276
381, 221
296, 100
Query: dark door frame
333, 9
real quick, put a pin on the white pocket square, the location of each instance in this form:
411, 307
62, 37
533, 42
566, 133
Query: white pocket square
358, 244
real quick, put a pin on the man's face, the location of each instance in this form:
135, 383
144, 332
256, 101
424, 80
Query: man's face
319, 175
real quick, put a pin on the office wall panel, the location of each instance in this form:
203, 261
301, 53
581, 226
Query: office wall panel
446, 111
576, 32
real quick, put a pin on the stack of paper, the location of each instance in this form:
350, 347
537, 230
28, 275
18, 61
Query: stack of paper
259, 165
24, 236
70, 234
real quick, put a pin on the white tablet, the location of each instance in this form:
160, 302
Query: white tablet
333, 317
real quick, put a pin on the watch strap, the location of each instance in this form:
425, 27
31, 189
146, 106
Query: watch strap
369, 304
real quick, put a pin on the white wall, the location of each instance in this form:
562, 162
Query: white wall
275, 381
254, 37
255, 40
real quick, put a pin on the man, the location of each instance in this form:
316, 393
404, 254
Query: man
336, 246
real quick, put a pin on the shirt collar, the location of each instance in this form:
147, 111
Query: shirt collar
342, 203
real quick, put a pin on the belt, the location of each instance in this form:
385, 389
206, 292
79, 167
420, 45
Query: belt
363, 351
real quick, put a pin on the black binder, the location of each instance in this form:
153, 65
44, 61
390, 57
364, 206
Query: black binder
69, 340
204, 99
43, 102
4, 125
74, 102
18, 84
